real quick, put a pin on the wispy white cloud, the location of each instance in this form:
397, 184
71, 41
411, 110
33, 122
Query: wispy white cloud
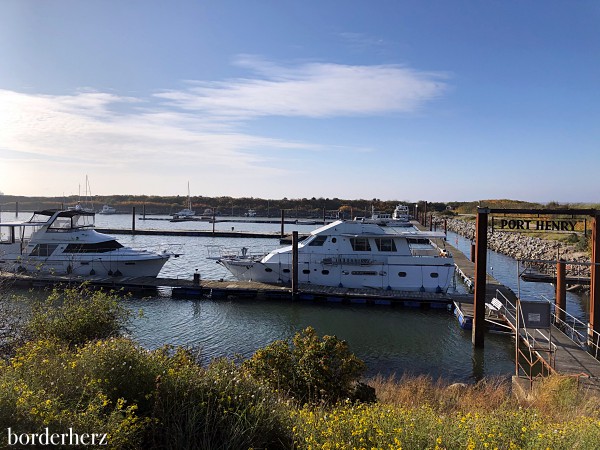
204, 127
312, 90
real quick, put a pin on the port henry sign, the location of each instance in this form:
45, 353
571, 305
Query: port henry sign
507, 224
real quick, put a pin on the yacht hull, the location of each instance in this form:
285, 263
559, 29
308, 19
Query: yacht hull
423, 277
88, 265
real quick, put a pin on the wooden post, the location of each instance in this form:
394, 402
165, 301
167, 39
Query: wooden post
472, 251
478, 335
561, 291
324, 217
294, 263
282, 222
594, 324
144, 211
214, 219
133, 220
445, 228
16, 209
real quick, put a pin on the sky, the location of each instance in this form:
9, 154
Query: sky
449, 100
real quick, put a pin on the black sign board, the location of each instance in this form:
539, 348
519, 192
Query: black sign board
537, 224
535, 315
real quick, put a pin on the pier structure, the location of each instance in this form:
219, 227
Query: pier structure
564, 346
481, 262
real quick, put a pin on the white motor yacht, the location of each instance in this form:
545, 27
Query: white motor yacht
65, 242
385, 219
354, 254
106, 209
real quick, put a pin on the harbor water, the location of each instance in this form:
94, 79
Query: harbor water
391, 340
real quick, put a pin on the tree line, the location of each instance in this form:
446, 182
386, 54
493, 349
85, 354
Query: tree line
238, 206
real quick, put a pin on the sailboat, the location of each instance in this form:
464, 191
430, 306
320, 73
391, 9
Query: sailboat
186, 212
88, 199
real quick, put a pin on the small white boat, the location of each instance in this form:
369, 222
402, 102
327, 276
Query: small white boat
107, 210
64, 242
354, 254
401, 213
186, 212
385, 220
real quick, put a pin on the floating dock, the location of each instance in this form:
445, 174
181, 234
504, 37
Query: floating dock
186, 288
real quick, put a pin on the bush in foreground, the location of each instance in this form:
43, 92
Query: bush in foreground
165, 399
140, 398
78, 315
309, 368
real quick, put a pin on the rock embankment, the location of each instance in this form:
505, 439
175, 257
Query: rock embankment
520, 246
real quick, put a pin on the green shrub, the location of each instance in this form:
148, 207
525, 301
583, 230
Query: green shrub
309, 369
78, 315
44, 386
142, 399
219, 407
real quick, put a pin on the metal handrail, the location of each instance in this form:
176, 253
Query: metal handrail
534, 357
579, 332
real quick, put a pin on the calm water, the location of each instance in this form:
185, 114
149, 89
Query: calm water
389, 339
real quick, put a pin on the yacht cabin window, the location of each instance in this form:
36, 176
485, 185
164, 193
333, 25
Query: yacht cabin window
360, 244
98, 247
43, 249
318, 241
385, 244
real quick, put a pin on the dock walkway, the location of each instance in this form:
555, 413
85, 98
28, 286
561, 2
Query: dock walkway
568, 357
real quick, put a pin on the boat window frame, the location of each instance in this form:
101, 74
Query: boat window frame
95, 247
43, 249
358, 244
380, 241
318, 241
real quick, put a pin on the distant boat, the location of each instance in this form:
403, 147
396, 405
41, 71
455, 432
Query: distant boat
401, 213
186, 212
88, 199
398, 219
250, 213
107, 210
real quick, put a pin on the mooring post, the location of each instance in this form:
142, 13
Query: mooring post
472, 251
445, 229
133, 220
16, 209
144, 211
294, 263
214, 219
561, 291
431, 222
481, 226
282, 222
594, 324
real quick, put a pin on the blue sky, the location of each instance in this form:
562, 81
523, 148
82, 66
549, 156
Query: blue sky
398, 100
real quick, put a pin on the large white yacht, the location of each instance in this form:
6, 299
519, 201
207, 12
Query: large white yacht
64, 242
354, 254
